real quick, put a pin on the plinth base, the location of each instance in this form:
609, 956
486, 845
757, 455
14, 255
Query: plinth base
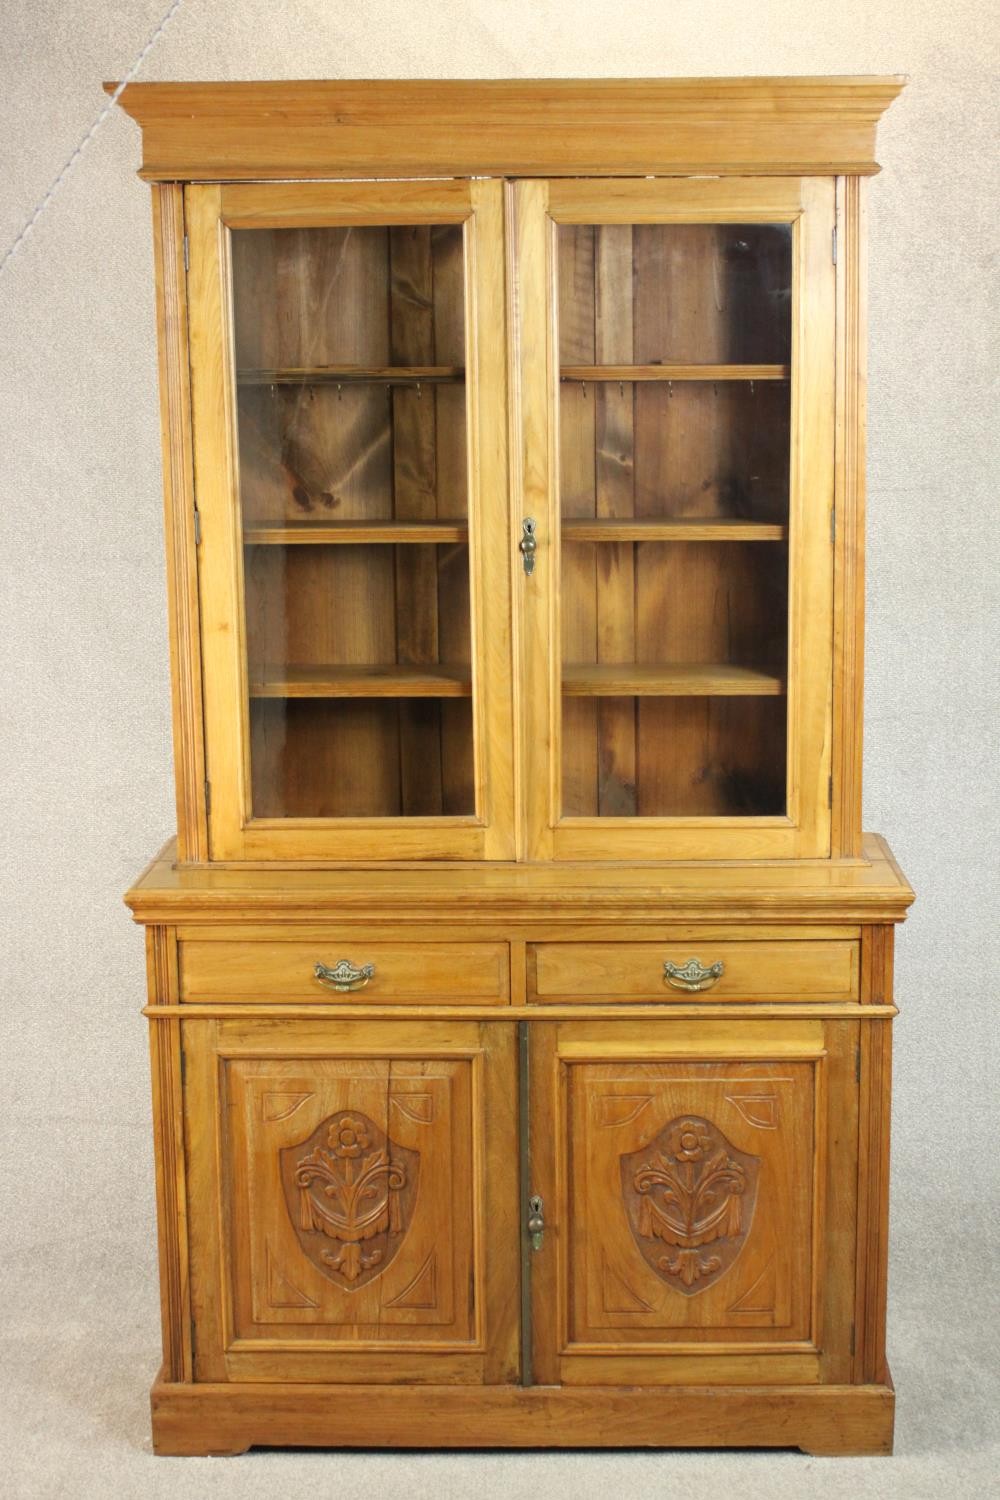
230, 1418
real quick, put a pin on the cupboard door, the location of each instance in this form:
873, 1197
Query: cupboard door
698, 1184
353, 1210
348, 391
676, 349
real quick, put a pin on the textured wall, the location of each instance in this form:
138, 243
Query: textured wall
85, 776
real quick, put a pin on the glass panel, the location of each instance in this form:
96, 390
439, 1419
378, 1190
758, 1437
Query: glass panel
674, 347
362, 757
351, 397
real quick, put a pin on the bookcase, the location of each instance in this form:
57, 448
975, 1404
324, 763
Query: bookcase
520, 978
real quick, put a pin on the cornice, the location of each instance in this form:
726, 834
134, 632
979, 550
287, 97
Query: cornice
509, 127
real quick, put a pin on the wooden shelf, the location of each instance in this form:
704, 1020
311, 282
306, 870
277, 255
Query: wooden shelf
669, 679
317, 533
354, 375
674, 372
390, 680
680, 529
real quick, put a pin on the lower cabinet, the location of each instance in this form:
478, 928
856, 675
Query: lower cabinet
358, 1196
354, 1196
698, 1184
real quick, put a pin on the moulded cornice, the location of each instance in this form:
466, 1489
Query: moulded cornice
509, 127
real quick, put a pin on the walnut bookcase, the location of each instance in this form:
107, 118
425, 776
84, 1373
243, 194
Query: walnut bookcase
520, 980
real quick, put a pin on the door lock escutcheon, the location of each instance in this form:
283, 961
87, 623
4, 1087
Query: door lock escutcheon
536, 1222
528, 544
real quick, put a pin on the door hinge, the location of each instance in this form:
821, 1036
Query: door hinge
857, 1064
833, 244
187, 254
208, 795
829, 791
852, 1341
197, 527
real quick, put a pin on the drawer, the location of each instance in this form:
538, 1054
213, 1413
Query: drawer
402, 973
630, 972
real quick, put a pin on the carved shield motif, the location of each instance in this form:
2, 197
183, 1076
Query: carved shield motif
350, 1192
689, 1197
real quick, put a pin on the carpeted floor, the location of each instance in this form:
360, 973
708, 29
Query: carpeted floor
79, 1350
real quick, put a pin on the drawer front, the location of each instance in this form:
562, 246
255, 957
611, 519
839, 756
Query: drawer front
401, 973
708, 970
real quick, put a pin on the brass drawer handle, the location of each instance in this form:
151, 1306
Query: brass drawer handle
693, 975
344, 976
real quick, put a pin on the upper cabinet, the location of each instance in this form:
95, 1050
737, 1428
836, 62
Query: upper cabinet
515, 492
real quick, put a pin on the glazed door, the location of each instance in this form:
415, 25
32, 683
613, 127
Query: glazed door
348, 390
676, 359
698, 1189
354, 1197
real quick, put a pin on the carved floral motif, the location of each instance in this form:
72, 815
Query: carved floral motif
689, 1188
351, 1184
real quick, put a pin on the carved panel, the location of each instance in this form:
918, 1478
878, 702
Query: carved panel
622, 1110
619, 1297
422, 1290
281, 1292
690, 1209
356, 1219
353, 1201
758, 1299
350, 1191
757, 1109
416, 1107
279, 1106
690, 1198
